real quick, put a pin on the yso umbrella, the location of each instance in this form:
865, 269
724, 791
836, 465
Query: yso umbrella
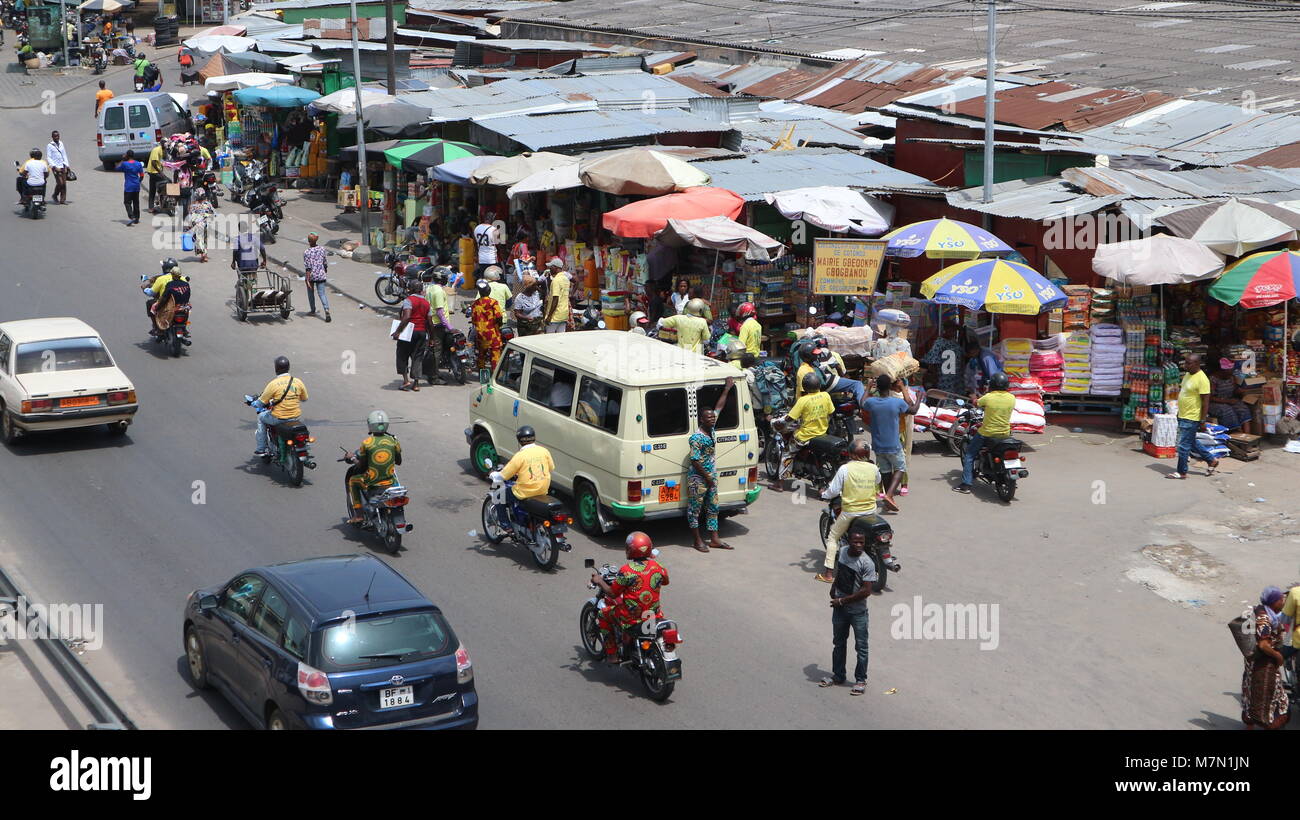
943, 239
995, 285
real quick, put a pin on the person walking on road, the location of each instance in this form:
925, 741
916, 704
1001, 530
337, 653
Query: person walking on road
702, 478
486, 316
315, 264
410, 352
855, 575
486, 240
132, 170
56, 154
883, 412
154, 167
102, 96
1193, 406
1264, 702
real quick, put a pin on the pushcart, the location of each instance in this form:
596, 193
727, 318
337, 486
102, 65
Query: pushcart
262, 291
954, 437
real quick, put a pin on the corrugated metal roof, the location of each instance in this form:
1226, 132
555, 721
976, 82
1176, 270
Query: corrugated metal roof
539, 92
1042, 146
594, 127
630, 64
1039, 198
1197, 183
503, 6
1074, 107
758, 174
327, 44
759, 135
906, 111
746, 75
802, 111
545, 45
1288, 156
1198, 132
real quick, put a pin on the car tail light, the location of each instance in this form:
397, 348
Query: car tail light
121, 397
35, 405
99, 140
157, 135
399, 501
314, 685
634, 491
752, 477
1011, 455
464, 668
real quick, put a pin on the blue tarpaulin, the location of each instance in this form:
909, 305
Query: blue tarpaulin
276, 96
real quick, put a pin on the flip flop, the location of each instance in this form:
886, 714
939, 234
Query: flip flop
1212, 469
889, 504
723, 545
828, 682
702, 548
858, 689
824, 577
415, 388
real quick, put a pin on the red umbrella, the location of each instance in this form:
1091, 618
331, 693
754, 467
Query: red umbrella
647, 217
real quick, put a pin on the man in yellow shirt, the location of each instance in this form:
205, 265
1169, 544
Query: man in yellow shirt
531, 468
1193, 406
435, 293
154, 168
857, 483
997, 405
751, 332
283, 398
691, 326
557, 314
812, 412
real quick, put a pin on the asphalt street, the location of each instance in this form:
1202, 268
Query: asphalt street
91, 518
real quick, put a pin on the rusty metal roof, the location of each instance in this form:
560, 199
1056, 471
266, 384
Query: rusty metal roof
1288, 156
1075, 107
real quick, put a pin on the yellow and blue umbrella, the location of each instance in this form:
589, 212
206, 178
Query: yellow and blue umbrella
943, 239
995, 285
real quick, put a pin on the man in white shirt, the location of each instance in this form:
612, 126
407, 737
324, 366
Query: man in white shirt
31, 176
486, 240
56, 154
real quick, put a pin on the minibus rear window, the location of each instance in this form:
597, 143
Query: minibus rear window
667, 414
115, 118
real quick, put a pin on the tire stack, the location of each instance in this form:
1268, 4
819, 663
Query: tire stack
166, 31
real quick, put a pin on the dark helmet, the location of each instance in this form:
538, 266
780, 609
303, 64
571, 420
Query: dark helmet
35, 153
525, 434
169, 264
999, 381
812, 383
281, 364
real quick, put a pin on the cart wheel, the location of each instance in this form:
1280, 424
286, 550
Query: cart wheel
284, 313
241, 305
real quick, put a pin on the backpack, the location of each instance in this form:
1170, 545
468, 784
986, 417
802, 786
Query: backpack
150, 74
772, 386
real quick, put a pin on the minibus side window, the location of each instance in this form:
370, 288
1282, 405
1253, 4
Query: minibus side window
511, 370
599, 404
551, 386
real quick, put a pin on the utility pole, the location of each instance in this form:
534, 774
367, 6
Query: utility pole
990, 89
389, 25
361, 132
63, 30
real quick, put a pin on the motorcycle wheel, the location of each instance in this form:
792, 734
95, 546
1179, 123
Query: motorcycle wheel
493, 530
267, 237
824, 527
456, 368
1006, 489
956, 445
772, 457
882, 573
388, 290
654, 676
590, 632
295, 469
392, 538
545, 549
176, 345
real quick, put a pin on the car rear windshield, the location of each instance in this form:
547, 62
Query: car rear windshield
140, 116
59, 355
115, 118
667, 413
384, 640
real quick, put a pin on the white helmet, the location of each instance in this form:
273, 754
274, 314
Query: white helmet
492, 274
638, 317
377, 422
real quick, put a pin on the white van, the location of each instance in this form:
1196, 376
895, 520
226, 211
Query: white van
616, 410
138, 122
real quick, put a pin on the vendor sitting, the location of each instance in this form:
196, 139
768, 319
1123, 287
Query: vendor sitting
1226, 404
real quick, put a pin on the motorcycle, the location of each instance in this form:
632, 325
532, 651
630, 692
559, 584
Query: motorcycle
289, 445
816, 462
100, 62
177, 335
33, 201
651, 654
844, 419
208, 181
246, 177
879, 536
382, 511
999, 463
588, 317
454, 356
537, 524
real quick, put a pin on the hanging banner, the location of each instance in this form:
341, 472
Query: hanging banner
846, 267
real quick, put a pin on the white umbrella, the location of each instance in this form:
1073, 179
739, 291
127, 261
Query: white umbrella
220, 42
641, 172
1234, 226
229, 82
544, 182
511, 170
835, 209
344, 101
721, 234
1156, 260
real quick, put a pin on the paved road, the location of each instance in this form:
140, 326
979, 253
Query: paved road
89, 518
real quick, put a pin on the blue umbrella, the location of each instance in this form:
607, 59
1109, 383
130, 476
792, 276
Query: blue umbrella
458, 170
276, 96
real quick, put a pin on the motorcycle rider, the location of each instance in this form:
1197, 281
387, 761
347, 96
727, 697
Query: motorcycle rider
997, 405
531, 467
155, 285
634, 591
435, 293
751, 332
171, 289
691, 325
812, 412
283, 397
374, 463
857, 483
32, 176
639, 323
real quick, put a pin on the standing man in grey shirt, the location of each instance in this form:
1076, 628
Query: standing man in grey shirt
855, 574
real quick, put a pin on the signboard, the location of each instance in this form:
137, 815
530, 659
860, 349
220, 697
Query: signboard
846, 267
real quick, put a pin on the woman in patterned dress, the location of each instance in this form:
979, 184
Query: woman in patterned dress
487, 317
702, 479
1264, 701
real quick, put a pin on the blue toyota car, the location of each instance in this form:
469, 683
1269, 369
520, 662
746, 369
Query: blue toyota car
330, 643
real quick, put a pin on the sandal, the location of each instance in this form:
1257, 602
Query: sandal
415, 388
1177, 476
858, 689
824, 577
1211, 469
826, 682
702, 548
721, 545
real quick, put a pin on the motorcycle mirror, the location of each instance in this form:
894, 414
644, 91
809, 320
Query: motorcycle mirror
484, 376
589, 563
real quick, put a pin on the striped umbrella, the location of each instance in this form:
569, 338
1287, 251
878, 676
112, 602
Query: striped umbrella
418, 156
1259, 280
995, 285
943, 239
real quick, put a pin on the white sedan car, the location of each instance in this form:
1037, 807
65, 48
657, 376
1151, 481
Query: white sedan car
56, 374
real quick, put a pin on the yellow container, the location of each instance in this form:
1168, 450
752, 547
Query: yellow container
615, 322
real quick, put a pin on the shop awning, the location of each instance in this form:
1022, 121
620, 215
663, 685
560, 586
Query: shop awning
276, 96
390, 119
458, 171
839, 210
230, 82
109, 6
344, 101
1234, 226
374, 150
649, 216
1156, 260
640, 172
221, 42
544, 182
418, 156
722, 234
254, 61
511, 170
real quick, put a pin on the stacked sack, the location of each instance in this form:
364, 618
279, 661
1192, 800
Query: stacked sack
1078, 307
1077, 353
1015, 354
1027, 417
1214, 439
1108, 352
1028, 388
1102, 306
1046, 363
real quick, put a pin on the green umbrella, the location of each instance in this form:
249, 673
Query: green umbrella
417, 156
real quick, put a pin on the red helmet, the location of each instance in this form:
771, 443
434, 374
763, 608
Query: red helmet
639, 545
746, 309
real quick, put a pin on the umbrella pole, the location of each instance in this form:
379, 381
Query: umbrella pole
713, 278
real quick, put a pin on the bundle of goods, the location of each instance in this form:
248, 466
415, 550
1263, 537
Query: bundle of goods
1108, 354
1078, 307
1102, 308
1077, 353
1046, 363
1164, 430
1027, 417
923, 418
1015, 354
896, 365
1214, 439
1026, 388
